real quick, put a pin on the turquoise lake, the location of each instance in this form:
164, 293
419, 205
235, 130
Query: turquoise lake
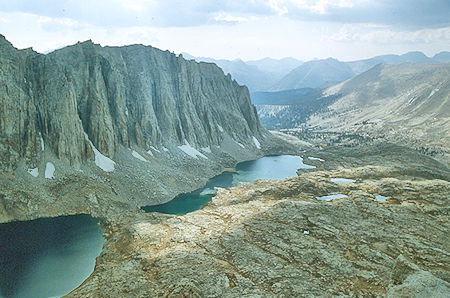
268, 167
48, 257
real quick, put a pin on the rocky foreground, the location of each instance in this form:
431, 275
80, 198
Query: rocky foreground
274, 238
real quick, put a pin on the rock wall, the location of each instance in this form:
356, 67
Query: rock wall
130, 96
38, 109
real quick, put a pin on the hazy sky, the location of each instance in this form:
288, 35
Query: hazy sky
247, 29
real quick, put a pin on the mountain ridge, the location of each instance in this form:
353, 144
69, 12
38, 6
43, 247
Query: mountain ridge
407, 103
264, 78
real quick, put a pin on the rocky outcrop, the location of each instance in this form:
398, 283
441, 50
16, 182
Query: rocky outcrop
119, 96
408, 280
275, 239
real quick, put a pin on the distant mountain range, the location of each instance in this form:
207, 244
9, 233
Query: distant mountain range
288, 73
406, 95
256, 74
408, 103
314, 74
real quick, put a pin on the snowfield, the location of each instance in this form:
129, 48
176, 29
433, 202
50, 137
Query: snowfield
103, 162
42, 144
33, 172
138, 156
49, 170
257, 144
191, 151
315, 158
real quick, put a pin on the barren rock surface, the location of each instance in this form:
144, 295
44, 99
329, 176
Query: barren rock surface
274, 238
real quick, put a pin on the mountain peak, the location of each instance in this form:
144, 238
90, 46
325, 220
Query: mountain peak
3, 40
442, 57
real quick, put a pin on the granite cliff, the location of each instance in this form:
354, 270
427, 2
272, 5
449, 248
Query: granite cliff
127, 96
147, 122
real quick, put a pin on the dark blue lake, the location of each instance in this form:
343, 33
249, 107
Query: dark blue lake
48, 257
268, 167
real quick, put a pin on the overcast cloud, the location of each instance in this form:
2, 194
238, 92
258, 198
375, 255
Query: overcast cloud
247, 29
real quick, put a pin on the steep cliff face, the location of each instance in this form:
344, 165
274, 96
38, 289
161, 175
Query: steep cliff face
146, 123
131, 96
38, 109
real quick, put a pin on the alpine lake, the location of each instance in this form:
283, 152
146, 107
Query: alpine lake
268, 167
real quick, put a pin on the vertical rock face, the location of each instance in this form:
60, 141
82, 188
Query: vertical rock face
38, 106
131, 96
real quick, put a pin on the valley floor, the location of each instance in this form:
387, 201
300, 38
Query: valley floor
274, 238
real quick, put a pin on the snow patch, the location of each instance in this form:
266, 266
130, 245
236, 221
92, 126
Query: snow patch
153, 148
33, 172
103, 162
432, 92
220, 128
49, 170
242, 146
150, 152
165, 149
126, 111
315, 158
138, 156
257, 144
42, 143
191, 151
206, 149
306, 232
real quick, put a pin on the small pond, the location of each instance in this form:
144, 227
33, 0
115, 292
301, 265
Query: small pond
268, 167
48, 257
331, 197
381, 199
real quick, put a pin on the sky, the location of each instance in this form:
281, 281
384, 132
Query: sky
235, 29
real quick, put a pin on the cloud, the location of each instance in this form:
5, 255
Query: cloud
247, 29
321, 7
398, 13
181, 13
228, 18
168, 13
48, 33
386, 35
278, 7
